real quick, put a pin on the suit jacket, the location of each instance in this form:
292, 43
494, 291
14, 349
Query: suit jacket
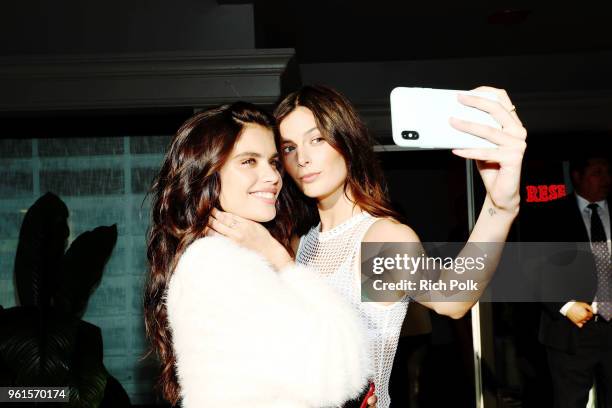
561, 221
245, 335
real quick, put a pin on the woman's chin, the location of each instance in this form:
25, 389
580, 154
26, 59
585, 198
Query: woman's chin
261, 216
309, 191
316, 190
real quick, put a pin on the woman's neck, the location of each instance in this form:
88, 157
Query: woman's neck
336, 208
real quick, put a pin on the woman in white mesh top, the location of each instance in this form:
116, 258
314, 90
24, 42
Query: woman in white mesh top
340, 200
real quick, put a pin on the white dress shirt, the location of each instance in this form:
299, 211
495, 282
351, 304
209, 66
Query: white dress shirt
604, 214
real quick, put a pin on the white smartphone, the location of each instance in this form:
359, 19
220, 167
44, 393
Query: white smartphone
420, 119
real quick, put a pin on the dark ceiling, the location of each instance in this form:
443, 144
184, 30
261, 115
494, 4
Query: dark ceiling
383, 30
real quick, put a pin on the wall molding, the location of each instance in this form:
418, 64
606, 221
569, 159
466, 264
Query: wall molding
176, 79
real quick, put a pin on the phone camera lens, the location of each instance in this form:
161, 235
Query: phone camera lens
410, 135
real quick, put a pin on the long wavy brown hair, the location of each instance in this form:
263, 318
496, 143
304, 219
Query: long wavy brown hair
343, 129
184, 193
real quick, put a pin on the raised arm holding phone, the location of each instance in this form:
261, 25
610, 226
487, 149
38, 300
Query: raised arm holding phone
339, 199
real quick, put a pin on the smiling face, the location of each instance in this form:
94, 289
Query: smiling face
251, 179
315, 166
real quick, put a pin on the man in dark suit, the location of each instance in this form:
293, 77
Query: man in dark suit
576, 331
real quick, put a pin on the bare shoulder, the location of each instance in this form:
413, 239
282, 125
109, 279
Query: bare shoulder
390, 230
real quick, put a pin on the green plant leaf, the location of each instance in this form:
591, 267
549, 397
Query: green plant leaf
82, 268
42, 241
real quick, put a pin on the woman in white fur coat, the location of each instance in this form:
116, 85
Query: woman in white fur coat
231, 327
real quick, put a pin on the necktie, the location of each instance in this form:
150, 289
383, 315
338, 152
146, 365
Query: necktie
603, 264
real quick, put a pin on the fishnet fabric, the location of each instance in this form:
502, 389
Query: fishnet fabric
335, 255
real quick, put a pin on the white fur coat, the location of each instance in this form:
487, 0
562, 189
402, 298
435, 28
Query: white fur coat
245, 335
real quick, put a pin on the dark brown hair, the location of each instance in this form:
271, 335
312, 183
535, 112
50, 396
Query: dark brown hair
184, 193
343, 129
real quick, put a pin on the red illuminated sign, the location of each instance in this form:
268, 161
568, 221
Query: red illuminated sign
543, 192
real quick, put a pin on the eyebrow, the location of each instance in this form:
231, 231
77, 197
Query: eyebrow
283, 140
253, 154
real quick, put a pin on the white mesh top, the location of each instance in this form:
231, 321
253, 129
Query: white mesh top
335, 255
